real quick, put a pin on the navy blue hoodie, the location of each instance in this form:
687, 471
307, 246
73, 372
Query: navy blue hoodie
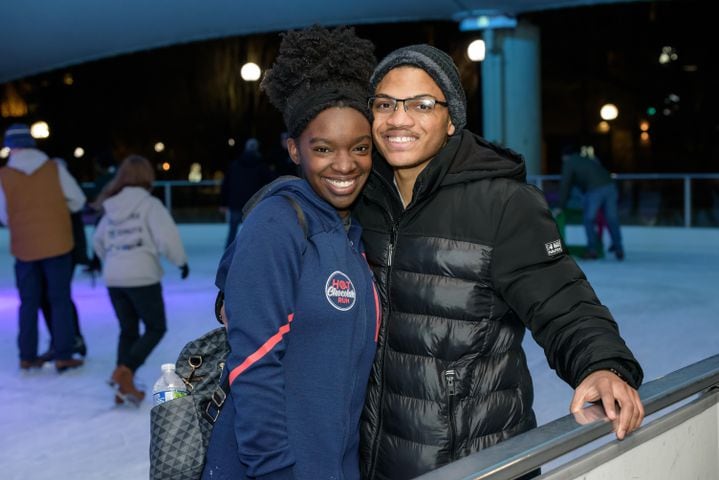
303, 316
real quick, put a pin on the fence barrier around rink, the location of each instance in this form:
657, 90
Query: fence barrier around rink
678, 439
646, 199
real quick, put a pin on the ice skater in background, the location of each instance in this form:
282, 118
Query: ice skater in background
37, 197
581, 168
134, 231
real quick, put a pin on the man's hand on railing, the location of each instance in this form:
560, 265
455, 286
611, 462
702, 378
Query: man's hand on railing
606, 387
590, 414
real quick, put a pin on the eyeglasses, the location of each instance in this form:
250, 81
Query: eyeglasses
421, 105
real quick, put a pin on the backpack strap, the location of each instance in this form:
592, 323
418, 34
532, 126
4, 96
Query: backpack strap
219, 395
300, 214
217, 400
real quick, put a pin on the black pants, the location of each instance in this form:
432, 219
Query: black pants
131, 305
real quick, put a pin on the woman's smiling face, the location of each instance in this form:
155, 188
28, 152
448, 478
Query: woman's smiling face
335, 155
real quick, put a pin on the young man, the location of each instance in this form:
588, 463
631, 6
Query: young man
467, 255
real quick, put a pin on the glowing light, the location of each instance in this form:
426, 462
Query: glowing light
40, 130
4, 152
165, 166
586, 151
250, 72
159, 147
644, 139
609, 111
79, 152
476, 50
67, 79
651, 111
231, 142
668, 55
12, 105
603, 127
195, 173
644, 126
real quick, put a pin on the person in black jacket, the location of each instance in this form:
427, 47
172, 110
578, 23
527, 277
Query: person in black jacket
246, 174
583, 169
467, 256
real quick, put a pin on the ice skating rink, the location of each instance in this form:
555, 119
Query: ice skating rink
665, 297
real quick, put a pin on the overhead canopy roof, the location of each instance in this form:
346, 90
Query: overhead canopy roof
42, 35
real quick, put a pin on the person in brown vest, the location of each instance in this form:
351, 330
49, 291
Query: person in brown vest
36, 198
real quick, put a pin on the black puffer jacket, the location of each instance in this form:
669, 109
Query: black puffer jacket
473, 260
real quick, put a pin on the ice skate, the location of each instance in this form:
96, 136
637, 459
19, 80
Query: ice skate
64, 365
31, 364
127, 398
125, 389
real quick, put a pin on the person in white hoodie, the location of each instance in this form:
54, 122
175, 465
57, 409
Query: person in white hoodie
36, 198
134, 231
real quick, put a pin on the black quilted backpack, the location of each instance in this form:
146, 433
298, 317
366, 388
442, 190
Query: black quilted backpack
180, 429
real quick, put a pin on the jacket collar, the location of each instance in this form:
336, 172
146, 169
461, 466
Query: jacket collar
464, 158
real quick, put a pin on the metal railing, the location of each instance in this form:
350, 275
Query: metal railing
681, 199
189, 202
664, 186
533, 449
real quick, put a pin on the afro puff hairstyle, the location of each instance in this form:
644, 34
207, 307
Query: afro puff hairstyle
316, 69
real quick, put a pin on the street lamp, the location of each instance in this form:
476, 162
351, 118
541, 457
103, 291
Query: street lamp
40, 130
250, 72
476, 50
609, 111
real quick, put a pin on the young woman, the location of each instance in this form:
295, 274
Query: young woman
302, 310
134, 231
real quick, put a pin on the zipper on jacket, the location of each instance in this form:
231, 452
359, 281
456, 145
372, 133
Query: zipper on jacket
450, 376
390, 251
378, 433
394, 233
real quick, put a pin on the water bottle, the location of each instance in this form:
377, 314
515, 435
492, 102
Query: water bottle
169, 386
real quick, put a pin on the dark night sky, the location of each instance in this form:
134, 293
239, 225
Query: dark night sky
192, 98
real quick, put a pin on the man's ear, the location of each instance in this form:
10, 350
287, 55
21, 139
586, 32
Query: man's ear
293, 150
450, 128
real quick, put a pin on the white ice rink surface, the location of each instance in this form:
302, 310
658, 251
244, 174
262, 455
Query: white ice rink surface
665, 297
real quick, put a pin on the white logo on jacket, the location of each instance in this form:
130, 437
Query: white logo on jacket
553, 248
340, 291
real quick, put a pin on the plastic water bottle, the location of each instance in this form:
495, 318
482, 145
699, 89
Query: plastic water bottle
169, 386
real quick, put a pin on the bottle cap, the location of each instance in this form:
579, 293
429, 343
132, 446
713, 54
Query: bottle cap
167, 366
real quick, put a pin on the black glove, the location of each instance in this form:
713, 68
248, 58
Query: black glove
184, 271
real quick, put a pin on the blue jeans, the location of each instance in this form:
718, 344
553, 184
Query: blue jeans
606, 197
55, 274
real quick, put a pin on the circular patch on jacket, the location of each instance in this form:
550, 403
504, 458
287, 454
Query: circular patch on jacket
340, 291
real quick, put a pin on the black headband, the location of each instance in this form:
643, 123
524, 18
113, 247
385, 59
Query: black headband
305, 105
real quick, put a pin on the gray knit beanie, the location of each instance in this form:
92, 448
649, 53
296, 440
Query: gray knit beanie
439, 66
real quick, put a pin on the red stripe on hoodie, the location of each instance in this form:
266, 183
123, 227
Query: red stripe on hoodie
263, 350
